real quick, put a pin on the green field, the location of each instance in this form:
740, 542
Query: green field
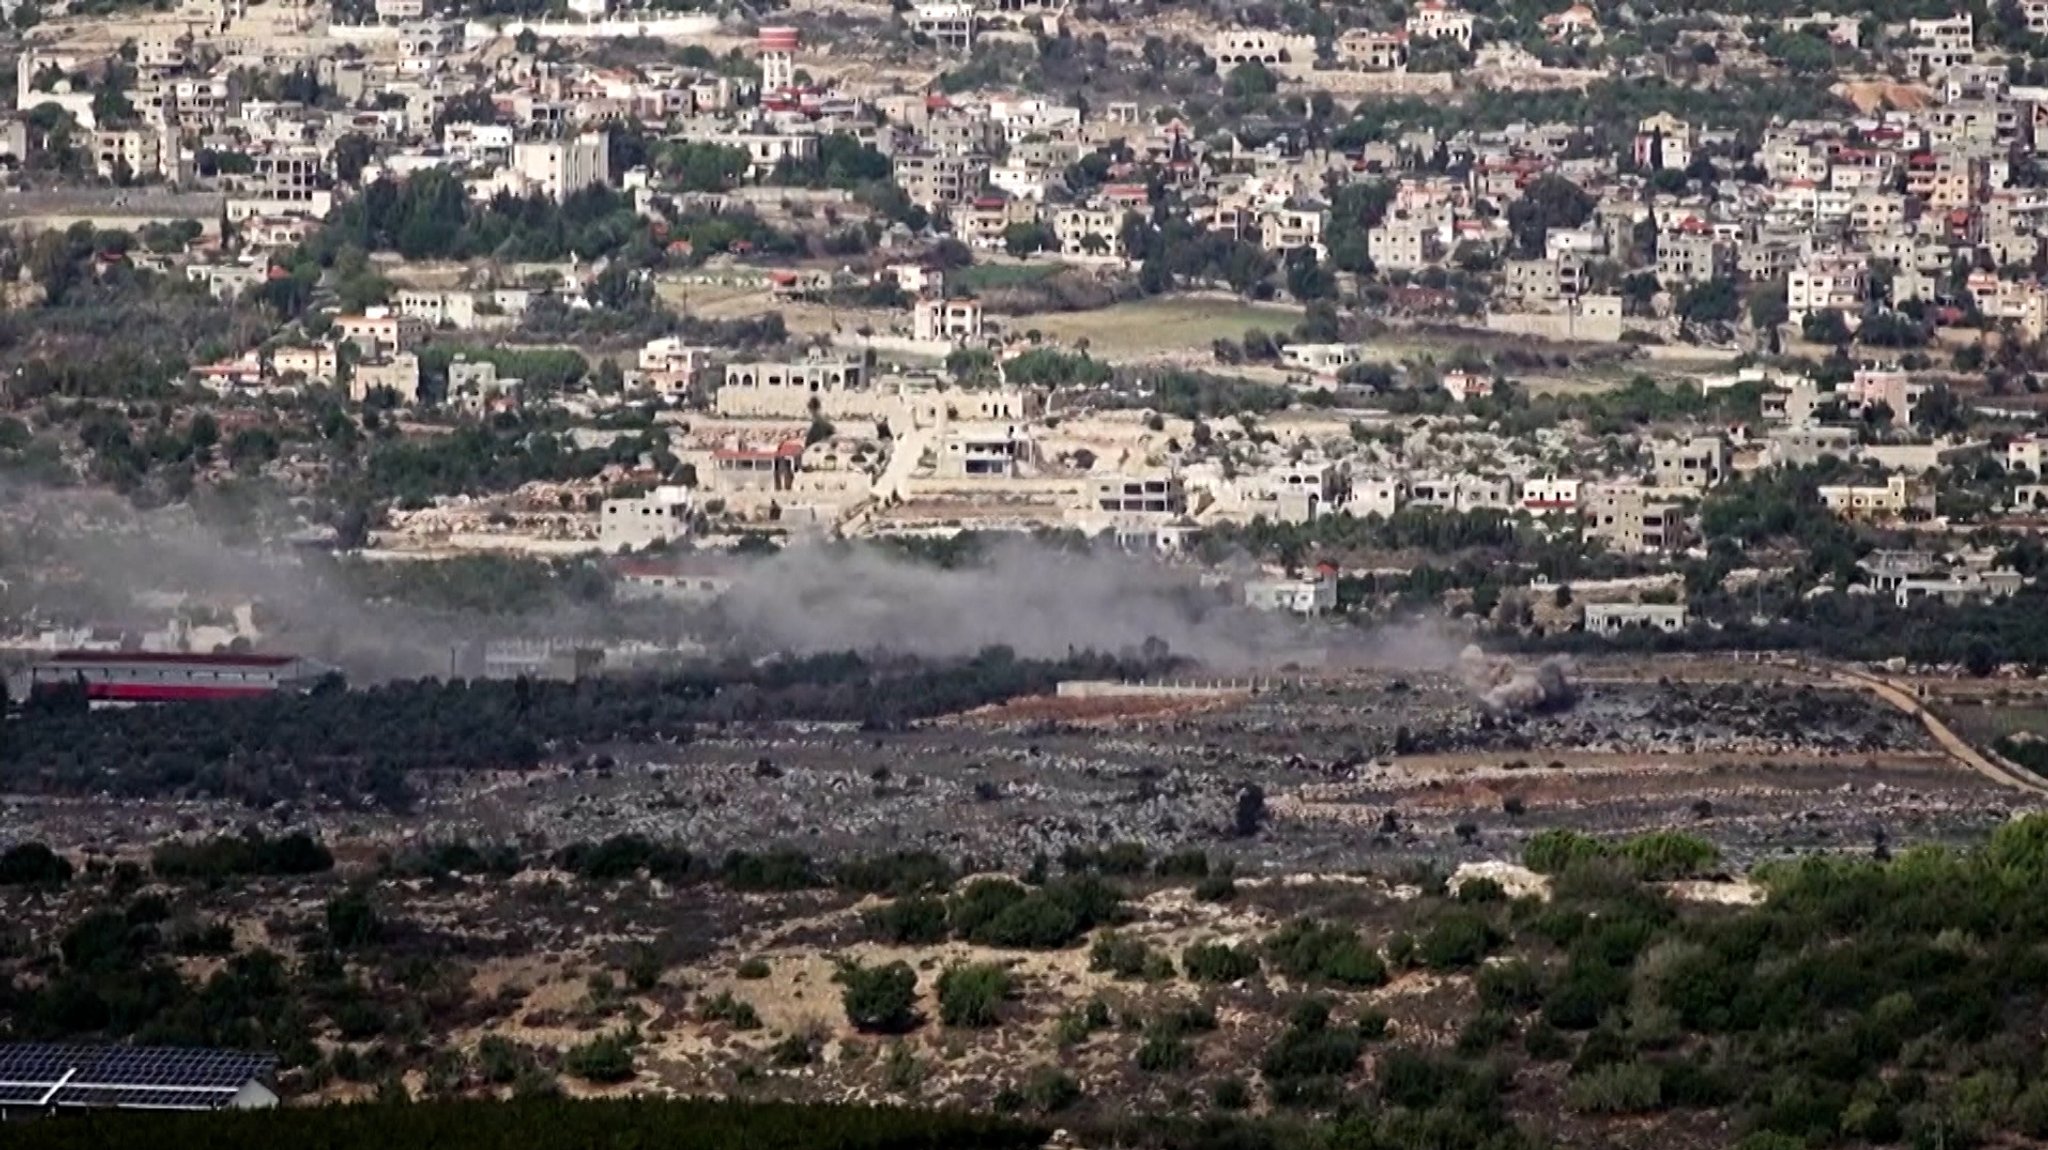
1988, 723
1154, 327
993, 277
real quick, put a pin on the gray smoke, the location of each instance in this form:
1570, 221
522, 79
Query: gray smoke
75, 557
82, 558
1507, 687
1043, 601
1037, 599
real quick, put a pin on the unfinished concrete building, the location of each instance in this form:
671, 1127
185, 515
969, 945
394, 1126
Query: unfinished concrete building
984, 451
1628, 521
788, 390
634, 523
1158, 494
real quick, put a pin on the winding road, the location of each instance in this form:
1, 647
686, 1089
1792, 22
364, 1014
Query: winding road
1990, 766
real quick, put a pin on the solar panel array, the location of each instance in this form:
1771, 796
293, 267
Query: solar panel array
133, 1077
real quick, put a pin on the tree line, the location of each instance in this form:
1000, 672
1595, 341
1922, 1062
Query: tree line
350, 743
533, 1124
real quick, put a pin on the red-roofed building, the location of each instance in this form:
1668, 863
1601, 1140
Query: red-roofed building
155, 677
683, 578
758, 468
244, 371
1133, 197
984, 223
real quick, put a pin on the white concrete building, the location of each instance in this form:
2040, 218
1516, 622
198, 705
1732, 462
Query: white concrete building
559, 168
1613, 618
946, 320
1305, 595
1550, 495
632, 524
1828, 283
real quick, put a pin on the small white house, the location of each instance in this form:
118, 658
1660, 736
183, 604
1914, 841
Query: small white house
1303, 595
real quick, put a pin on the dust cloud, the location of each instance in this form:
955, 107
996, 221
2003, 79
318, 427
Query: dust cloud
1505, 686
77, 558
1044, 601
70, 557
1041, 601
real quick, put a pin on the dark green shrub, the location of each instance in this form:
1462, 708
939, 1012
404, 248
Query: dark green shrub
1050, 1091
1584, 995
1458, 939
1416, 1081
1488, 1029
1546, 1043
972, 996
499, 1061
917, 921
880, 999
620, 857
734, 1012
1620, 1088
607, 1058
1553, 852
1322, 1052
1126, 957
999, 912
1481, 890
972, 909
33, 864
1192, 864
1215, 962
1119, 859
776, 871
1162, 1052
900, 875
1308, 949
1510, 985
352, 921
1662, 856
243, 855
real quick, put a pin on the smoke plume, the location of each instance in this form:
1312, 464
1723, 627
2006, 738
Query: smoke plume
69, 557
1039, 600
1506, 687
76, 558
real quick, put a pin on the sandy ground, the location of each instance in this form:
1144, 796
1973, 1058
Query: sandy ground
1876, 95
1150, 328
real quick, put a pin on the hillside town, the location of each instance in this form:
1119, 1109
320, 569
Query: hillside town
632, 282
1023, 574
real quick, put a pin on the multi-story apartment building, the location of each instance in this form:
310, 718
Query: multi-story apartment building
1235, 46
1435, 20
1692, 257
134, 153
1628, 521
1693, 465
1092, 230
559, 168
1370, 51
1831, 282
1286, 228
946, 320
1403, 245
934, 182
1157, 494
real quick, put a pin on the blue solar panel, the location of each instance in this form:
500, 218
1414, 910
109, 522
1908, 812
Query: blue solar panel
155, 1076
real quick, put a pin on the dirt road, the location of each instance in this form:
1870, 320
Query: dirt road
1989, 766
